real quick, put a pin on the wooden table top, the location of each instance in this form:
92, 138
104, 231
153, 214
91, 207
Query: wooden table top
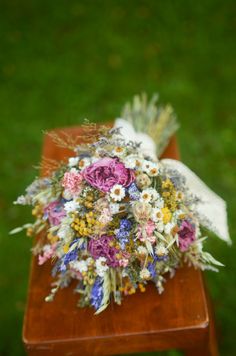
144, 322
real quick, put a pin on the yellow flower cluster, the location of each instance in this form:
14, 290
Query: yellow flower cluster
166, 215
30, 232
169, 194
89, 276
37, 211
86, 225
52, 237
142, 287
128, 288
88, 201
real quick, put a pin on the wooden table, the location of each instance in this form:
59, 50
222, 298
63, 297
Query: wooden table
179, 318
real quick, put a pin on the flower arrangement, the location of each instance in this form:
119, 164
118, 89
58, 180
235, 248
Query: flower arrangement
114, 218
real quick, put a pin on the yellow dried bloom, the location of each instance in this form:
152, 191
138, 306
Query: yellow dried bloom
66, 248
166, 215
142, 287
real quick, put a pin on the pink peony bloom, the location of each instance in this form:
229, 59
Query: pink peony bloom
103, 247
54, 212
107, 172
72, 181
186, 235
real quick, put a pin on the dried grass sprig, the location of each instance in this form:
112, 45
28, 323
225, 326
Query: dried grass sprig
47, 166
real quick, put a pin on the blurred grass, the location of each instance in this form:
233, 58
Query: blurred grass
66, 60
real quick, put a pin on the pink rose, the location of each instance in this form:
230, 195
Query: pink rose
107, 172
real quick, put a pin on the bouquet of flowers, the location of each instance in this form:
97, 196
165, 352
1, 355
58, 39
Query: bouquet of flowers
115, 216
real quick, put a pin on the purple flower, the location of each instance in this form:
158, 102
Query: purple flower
152, 269
123, 232
107, 172
54, 212
125, 224
96, 293
186, 235
133, 191
123, 237
67, 258
103, 247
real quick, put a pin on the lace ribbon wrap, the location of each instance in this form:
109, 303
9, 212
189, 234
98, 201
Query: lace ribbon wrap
210, 208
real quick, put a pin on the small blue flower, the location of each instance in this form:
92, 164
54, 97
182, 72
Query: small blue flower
123, 232
152, 269
67, 258
133, 191
123, 237
70, 256
125, 224
161, 258
97, 293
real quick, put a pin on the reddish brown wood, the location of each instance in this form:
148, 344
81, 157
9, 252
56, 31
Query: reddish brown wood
179, 318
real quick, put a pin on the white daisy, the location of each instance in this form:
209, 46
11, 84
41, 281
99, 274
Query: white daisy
117, 192
151, 168
160, 226
74, 170
146, 196
159, 203
73, 161
157, 214
101, 266
153, 171
84, 162
160, 250
152, 193
114, 208
142, 250
179, 195
177, 214
168, 227
133, 161
144, 273
79, 266
67, 195
71, 206
118, 151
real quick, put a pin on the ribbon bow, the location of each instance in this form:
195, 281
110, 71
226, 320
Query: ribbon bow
210, 208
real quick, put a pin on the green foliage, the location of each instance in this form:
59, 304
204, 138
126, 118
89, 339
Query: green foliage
63, 61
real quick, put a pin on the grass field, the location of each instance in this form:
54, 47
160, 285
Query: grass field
62, 61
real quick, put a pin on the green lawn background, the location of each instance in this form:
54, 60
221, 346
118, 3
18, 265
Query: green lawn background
62, 61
